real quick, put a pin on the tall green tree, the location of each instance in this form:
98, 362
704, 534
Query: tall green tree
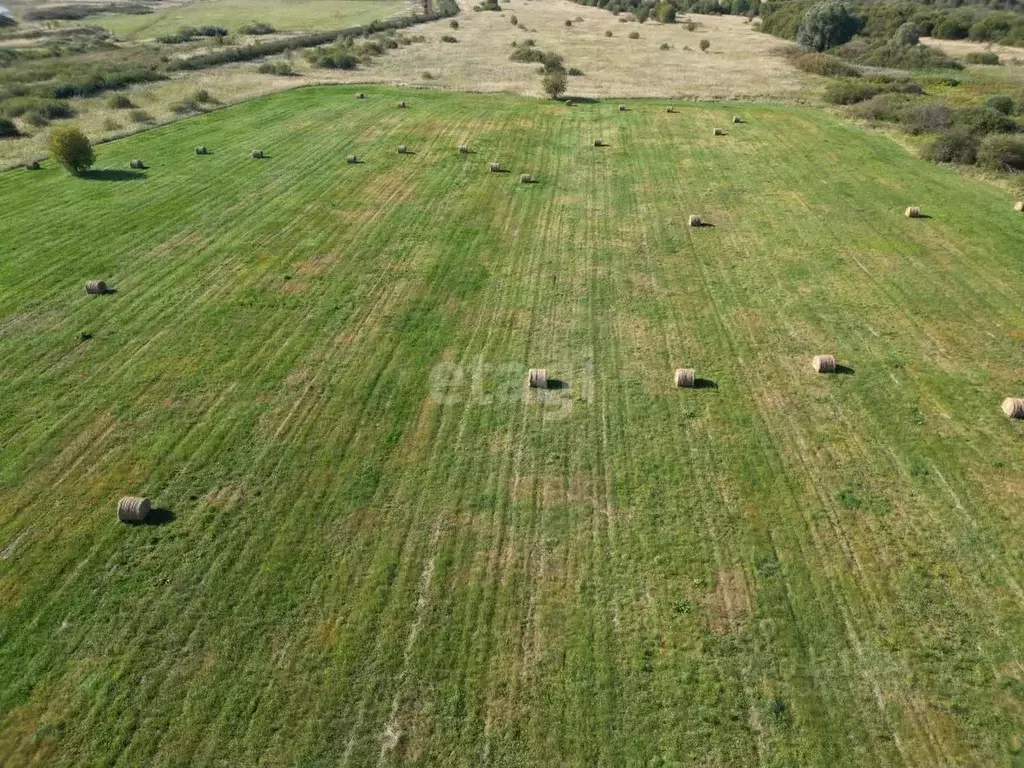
826, 25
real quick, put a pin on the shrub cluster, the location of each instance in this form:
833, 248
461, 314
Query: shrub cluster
256, 28
824, 64
986, 57
253, 51
283, 68
187, 34
79, 11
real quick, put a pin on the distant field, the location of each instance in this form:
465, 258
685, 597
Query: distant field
284, 15
378, 546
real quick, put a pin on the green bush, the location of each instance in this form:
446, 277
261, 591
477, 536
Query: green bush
1002, 104
448, 39
823, 64
665, 12
634, 35
140, 116
337, 59
953, 147
574, 72
119, 101
256, 28
515, 20
568, 23
8, 130
845, 92
705, 44
983, 120
453, 24
202, 96
282, 68
71, 149
1002, 153
986, 58
185, 107
664, 47
608, 33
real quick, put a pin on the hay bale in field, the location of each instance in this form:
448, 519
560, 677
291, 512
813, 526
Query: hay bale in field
1018, 206
402, 105
622, 107
257, 154
670, 110
538, 378
824, 363
526, 179
96, 287
598, 143
360, 95
695, 221
684, 377
32, 166
568, 103
1013, 407
351, 159
402, 149
736, 119
912, 212
719, 132
136, 165
463, 149
495, 167
133, 509
201, 150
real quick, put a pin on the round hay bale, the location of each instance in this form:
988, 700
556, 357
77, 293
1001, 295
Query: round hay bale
695, 221
133, 509
402, 149
95, 287
360, 95
463, 149
670, 110
684, 377
402, 105
912, 212
568, 102
257, 154
622, 107
1013, 407
136, 165
824, 363
538, 378
719, 132
495, 167
201, 150
526, 179
1018, 206
351, 159
598, 143
33, 166
737, 119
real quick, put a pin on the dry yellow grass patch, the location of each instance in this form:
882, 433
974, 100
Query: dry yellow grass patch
728, 603
741, 63
960, 48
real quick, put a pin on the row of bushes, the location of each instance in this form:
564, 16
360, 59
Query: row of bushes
187, 34
256, 28
78, 11
274, 47
783, 18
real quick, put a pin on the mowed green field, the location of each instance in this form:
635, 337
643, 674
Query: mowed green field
375, 545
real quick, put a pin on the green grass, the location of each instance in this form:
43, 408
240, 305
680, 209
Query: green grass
292, 15
782, 569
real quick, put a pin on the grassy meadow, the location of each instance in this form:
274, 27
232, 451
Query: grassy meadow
375, 546
291, 15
